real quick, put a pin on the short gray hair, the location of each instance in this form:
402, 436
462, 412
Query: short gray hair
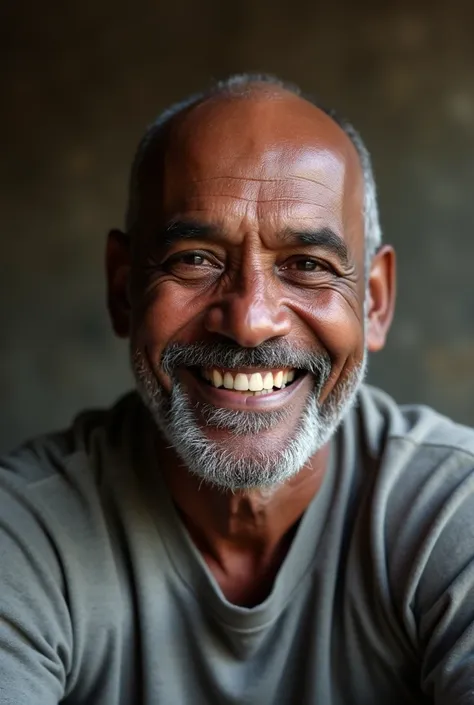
245, 84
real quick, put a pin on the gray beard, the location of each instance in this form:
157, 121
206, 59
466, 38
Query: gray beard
212, 461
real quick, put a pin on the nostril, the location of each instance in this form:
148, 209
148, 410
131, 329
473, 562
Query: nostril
247, 323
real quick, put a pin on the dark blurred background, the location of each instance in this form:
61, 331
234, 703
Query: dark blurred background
81, 80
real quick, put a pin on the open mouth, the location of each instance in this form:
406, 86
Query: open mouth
253, 383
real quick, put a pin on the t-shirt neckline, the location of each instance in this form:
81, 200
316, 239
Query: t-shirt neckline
294, 571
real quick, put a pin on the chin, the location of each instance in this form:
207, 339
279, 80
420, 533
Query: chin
235, 449
242, 451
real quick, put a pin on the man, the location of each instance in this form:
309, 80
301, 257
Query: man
256, 526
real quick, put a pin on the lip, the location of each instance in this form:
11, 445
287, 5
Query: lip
225, 398
248, 370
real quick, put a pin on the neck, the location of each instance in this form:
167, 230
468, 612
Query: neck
254, 521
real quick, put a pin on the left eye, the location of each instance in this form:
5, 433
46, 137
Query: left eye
193, 258
305, 264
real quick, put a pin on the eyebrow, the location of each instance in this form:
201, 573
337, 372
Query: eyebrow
187, 230
324, 237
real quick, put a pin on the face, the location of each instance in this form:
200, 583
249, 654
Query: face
247, 287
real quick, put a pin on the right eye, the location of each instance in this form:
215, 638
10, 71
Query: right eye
191, 265
191, 258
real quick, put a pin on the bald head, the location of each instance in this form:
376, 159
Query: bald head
253, 117
252, 122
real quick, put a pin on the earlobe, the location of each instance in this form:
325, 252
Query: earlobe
118, 265
380, 297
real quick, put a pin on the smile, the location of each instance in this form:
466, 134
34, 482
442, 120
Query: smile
246, 388
253, 383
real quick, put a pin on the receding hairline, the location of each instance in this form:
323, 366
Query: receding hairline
254, 90
241, 86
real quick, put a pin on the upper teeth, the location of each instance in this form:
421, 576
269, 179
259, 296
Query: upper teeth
255, 382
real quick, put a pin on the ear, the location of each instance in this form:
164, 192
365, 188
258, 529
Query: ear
381, 297
118, 263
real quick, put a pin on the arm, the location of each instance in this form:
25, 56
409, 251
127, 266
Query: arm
35, 631
441, 598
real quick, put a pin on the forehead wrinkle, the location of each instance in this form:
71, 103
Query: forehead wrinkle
269, 164
292, 202
282, 179
262, 182
274, 214
257, 201
236, 178
262, 190
314, 181
263, 201
266, 142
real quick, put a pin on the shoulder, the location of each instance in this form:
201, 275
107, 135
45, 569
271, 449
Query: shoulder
422, 461
386, 423
56, 456
421, 456
54, 497
54, 550
421, 501
421, 515
51, 487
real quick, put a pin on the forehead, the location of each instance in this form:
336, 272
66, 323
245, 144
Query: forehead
261, 162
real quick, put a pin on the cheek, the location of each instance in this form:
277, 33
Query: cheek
167, 313
336, 323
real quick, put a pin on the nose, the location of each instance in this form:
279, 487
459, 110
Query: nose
250, 314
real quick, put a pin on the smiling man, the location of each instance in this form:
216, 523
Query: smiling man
255, 525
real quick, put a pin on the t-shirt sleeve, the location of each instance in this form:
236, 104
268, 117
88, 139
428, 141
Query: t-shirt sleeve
444, 601
434, 577
35, 630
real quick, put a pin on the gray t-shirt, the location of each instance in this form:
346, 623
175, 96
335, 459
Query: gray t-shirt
104, 600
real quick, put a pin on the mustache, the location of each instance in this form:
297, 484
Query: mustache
270, 354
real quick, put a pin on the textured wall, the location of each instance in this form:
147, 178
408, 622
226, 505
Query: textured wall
82, 79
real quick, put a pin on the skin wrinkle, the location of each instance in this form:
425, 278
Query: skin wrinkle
248, 184
219, 226
253, 302
249, 87
268, 200
289, 178
181, 229
313, 181
300, 217
263, 182
293, 203
179, 232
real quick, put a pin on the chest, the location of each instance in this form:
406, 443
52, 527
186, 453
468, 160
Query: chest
314, 646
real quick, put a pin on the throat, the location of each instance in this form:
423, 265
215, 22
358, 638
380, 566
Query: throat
245, 579
245, 536
246, 591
